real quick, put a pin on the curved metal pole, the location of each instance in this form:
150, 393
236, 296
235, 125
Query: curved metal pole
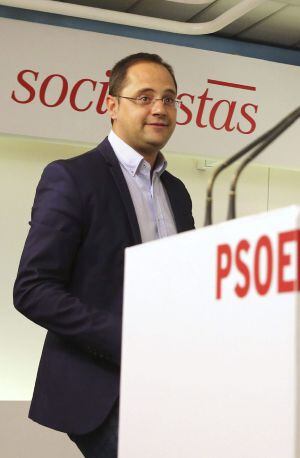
272, 135
223, 166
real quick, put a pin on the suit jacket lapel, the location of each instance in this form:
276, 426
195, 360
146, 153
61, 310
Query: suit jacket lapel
172, 191
120, 181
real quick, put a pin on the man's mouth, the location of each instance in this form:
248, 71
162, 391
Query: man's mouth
157, 124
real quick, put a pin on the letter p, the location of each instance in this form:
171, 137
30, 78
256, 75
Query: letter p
223, 266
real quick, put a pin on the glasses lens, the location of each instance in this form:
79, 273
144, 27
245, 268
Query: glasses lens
144, 100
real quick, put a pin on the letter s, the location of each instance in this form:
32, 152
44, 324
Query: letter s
242, 290
248, 118
26, 85
185, 109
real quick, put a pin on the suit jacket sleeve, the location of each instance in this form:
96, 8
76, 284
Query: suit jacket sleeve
41, 290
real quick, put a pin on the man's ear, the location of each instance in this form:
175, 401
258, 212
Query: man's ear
112, 106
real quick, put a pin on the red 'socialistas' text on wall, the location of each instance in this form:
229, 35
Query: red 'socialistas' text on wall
205, 110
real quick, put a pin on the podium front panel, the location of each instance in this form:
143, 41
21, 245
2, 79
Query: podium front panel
210, 353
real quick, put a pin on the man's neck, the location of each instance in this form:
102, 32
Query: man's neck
150, 157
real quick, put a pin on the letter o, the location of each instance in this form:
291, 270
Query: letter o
263, 243
63, 93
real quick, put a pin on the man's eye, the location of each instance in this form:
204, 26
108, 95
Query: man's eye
169, 100
144, 99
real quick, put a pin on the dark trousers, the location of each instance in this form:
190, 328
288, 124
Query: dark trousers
103, 441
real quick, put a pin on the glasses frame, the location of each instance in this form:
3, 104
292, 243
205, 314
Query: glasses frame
138, 101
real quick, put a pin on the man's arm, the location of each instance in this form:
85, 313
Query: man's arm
41, 288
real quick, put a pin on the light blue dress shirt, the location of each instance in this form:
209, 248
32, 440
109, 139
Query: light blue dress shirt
150, 200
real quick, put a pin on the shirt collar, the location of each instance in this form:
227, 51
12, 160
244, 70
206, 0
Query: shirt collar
131, 159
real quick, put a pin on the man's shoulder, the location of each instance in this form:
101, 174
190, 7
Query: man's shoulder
83, 172
87, 163
97, 154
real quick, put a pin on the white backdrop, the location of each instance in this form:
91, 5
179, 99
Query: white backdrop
54, 80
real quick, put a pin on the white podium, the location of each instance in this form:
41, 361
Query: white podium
210, 359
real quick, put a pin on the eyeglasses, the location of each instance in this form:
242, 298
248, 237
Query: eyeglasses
145, 100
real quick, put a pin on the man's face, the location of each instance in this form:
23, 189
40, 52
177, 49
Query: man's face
145, 128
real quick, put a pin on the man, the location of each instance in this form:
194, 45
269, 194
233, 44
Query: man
87, 210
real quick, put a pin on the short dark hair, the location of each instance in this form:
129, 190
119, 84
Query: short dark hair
118, 74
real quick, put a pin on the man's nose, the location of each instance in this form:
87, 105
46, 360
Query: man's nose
158, 107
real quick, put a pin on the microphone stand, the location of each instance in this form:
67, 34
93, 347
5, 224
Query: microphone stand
274, 133
261, 143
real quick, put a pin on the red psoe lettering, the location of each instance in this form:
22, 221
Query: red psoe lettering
263, 243
224, 260
242, 290
284, 260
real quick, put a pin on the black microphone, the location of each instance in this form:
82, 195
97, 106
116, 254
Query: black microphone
261, 143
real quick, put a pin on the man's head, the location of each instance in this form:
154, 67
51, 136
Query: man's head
118, 75
134, 81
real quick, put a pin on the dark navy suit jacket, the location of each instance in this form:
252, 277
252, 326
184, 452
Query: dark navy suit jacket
70, 281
